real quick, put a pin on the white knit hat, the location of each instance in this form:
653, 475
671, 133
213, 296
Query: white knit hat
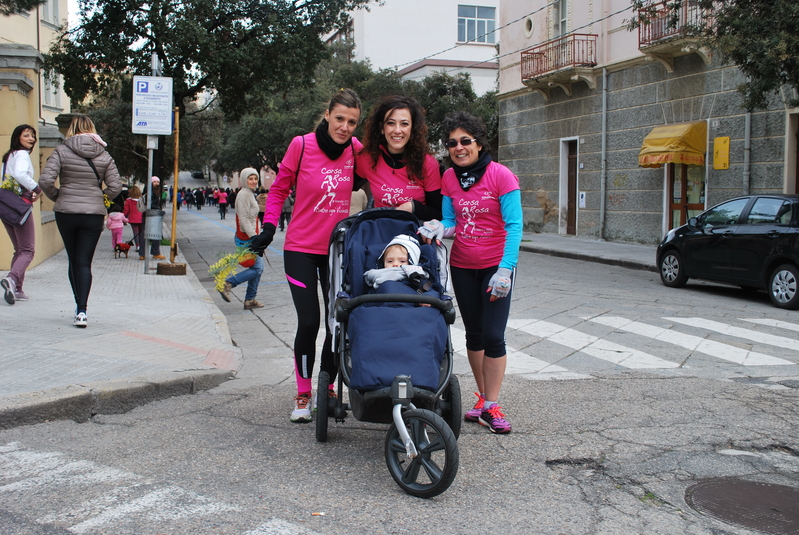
246, 172
411, 245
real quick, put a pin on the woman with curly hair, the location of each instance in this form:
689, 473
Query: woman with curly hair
396, 159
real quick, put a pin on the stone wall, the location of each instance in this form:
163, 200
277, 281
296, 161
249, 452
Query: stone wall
639, 98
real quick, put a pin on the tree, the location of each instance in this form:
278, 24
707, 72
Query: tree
10, 7
760, 37
225, 46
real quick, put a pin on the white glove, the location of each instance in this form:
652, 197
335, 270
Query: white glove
415, 271
432, 230
499, 285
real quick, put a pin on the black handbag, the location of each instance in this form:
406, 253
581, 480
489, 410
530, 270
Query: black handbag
13, 209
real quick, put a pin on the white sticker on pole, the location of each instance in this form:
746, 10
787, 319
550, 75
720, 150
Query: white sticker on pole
152, 105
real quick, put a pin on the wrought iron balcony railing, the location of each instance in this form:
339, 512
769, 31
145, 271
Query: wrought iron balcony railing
667, 25
569, 51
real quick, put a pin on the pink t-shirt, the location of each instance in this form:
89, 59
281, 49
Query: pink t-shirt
392, 187
222, 197
323, 192
479, 227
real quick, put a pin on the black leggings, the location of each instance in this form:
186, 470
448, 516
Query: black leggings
484, 320
80, 233
303, 270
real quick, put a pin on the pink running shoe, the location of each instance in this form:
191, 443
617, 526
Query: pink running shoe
495, 420
473, 414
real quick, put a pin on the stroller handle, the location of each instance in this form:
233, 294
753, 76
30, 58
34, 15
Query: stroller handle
345, 305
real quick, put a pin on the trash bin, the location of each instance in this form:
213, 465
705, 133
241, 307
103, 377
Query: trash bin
153, 224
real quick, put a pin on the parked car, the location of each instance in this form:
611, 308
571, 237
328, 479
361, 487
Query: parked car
197, 174
750, 241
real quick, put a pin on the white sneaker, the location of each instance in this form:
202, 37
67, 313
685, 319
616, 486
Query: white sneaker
302, 408
9, 288
81, 320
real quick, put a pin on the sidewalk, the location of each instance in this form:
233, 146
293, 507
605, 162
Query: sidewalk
151, 336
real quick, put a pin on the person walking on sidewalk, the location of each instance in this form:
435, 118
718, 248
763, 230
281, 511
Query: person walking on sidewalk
247, 227
319, 167
131, 211
115, 222
155, 204
17, 164
82, 165
483, 210
222, 200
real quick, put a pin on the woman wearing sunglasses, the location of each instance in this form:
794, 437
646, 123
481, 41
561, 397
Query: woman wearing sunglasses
396, 159
482, 209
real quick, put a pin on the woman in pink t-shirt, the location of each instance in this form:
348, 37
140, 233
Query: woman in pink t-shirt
320, 168
396, 159
483, 211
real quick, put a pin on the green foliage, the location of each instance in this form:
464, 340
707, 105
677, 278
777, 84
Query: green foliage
228, 46
10, 7
760, 37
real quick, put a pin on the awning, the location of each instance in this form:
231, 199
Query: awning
675, 143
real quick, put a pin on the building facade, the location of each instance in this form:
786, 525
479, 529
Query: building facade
27, 96
419, 37
622, 135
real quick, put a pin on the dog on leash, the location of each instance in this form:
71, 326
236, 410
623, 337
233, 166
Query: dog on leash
121, 249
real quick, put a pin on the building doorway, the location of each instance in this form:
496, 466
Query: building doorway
686, 192
568, 185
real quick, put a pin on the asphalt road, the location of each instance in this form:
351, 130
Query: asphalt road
622, 393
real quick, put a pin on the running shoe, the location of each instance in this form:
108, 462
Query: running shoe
80, 320
473, 414
302, 408
19, 295
9, 287
495, 420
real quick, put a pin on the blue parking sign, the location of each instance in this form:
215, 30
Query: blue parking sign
152, 105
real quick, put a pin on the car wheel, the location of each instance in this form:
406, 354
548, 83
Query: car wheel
672, 272
783, 287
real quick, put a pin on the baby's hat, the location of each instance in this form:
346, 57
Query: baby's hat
411, 245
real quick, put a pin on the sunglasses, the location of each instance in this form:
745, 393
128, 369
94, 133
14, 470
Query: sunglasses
452, 143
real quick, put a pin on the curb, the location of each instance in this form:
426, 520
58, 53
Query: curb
81, 402
630, 264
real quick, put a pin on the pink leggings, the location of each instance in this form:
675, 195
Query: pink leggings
116, 236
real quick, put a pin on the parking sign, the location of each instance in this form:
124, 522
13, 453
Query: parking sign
152, 105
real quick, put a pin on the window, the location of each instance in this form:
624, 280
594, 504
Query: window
770, 211
476, 24
49, 11
724, 214
561, 17
51, 94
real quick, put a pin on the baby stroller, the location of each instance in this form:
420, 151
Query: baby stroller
394, 356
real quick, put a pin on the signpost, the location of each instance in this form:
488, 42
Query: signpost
152, 116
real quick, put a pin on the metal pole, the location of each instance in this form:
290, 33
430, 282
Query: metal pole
173, 249
154, 63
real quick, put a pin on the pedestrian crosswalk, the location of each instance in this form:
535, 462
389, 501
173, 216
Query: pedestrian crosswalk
680, 343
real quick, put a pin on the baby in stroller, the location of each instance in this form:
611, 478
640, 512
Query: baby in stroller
395, 356
400, 260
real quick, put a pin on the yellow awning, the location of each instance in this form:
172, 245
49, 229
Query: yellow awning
675, 143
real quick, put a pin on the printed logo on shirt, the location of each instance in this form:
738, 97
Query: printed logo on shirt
469, 213
329, 203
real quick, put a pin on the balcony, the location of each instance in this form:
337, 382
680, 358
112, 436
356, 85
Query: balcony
671, 34
559, 63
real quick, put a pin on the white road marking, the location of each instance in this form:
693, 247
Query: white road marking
719, 350
518, 361
28, 471
276, 526
773, 323
738, 332
591, 345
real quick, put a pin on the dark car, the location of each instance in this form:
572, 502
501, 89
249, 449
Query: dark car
750, 241
197, 174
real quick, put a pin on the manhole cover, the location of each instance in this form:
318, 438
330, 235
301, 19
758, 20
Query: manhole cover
761, 506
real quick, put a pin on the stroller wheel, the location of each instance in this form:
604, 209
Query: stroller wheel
322, 406
436, 465
449, 406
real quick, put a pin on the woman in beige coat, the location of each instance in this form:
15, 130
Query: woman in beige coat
82, 165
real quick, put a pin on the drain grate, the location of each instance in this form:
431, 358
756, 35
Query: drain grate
761, 506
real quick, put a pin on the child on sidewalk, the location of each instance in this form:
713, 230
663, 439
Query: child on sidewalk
115, 222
